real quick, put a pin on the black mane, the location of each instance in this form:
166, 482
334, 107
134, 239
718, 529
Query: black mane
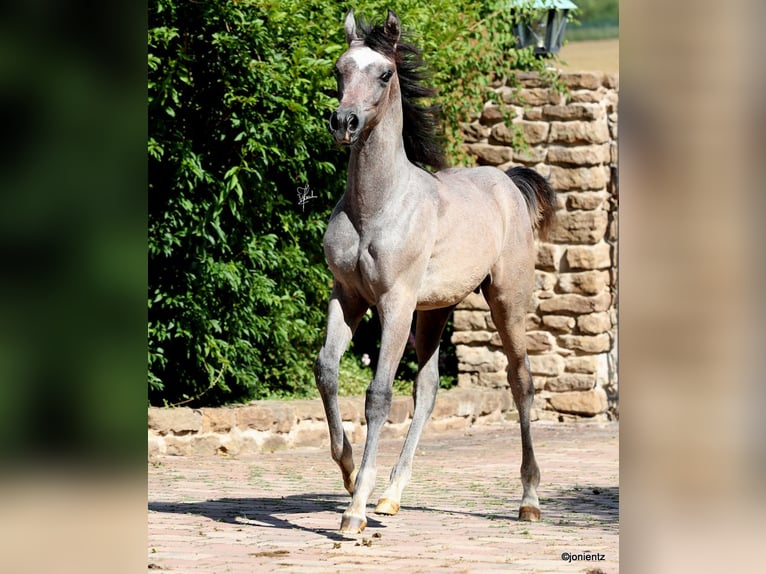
423, 140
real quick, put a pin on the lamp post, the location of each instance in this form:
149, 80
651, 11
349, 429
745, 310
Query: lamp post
544, 29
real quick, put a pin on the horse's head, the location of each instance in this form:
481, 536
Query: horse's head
366, 81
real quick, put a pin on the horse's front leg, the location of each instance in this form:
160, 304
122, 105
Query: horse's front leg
396, 318
344, 313
428, 330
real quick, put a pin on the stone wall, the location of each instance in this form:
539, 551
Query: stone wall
571, 325
265, 426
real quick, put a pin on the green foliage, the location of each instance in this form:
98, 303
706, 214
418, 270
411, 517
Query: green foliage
595, 20
238, 97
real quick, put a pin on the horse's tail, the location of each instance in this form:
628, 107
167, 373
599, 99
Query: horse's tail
539, 195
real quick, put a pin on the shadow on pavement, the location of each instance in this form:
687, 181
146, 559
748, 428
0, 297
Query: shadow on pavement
266, 512
572, 506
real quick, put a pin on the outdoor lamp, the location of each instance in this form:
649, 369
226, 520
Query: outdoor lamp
545, 29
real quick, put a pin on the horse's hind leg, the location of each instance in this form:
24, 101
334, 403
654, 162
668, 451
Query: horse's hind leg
508, 313
344, 314
428, 330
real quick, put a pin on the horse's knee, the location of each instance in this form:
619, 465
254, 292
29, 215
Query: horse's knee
326, 373
377, 403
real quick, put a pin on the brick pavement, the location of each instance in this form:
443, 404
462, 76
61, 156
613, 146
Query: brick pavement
279, 512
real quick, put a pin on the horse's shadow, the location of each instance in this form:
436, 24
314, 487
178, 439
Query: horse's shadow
600, 503
265, 512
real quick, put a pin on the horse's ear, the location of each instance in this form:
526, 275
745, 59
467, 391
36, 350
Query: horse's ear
393, 27
350, 27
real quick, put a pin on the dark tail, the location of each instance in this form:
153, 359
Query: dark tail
540, 197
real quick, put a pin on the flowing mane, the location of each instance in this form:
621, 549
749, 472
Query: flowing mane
423, 140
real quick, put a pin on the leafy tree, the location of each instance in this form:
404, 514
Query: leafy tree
238, 97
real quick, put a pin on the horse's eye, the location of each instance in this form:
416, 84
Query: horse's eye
386, 76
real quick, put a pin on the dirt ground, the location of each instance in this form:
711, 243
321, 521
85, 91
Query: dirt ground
591, 56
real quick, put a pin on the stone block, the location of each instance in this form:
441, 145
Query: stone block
310, 433
474, 301
401, 410
578, 178
587, 343
487, 154
309, 410
481, 359
560, 323
533, 321
586, 364
257, 417
584, 282
588, 96
585, 403
531, 155
549, 365
540, 341
571, 382
576, 304
574, 111
496, 380
589, 256
175, 420
587, 200
582, 80
530, 80
178, 445
489, 402
533, 114
394, 430
535, 132
594, 323
444, 406
545, 281
491, 115
474, 132
351, 408
580, 155
533, 97
548, 256
579, 132
274, 442
579, 227
465, 320
218, 420
471, 337
205, 445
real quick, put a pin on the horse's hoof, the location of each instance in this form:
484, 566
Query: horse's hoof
529, 514
352, 524
386, 506
348, 482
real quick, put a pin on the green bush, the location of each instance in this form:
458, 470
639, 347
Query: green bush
238, 98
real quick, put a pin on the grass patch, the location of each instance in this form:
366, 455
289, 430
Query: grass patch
592, 31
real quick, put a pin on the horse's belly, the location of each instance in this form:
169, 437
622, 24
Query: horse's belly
438, 291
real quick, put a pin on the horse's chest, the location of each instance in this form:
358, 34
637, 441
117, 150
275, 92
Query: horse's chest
362, 260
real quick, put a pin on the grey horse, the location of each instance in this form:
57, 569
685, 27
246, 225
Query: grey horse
406, 240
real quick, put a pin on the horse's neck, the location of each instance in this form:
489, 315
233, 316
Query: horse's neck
377, 169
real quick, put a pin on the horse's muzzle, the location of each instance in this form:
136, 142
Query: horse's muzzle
345, 126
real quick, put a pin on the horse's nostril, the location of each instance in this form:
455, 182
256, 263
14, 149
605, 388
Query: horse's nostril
334, 125
353, 122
